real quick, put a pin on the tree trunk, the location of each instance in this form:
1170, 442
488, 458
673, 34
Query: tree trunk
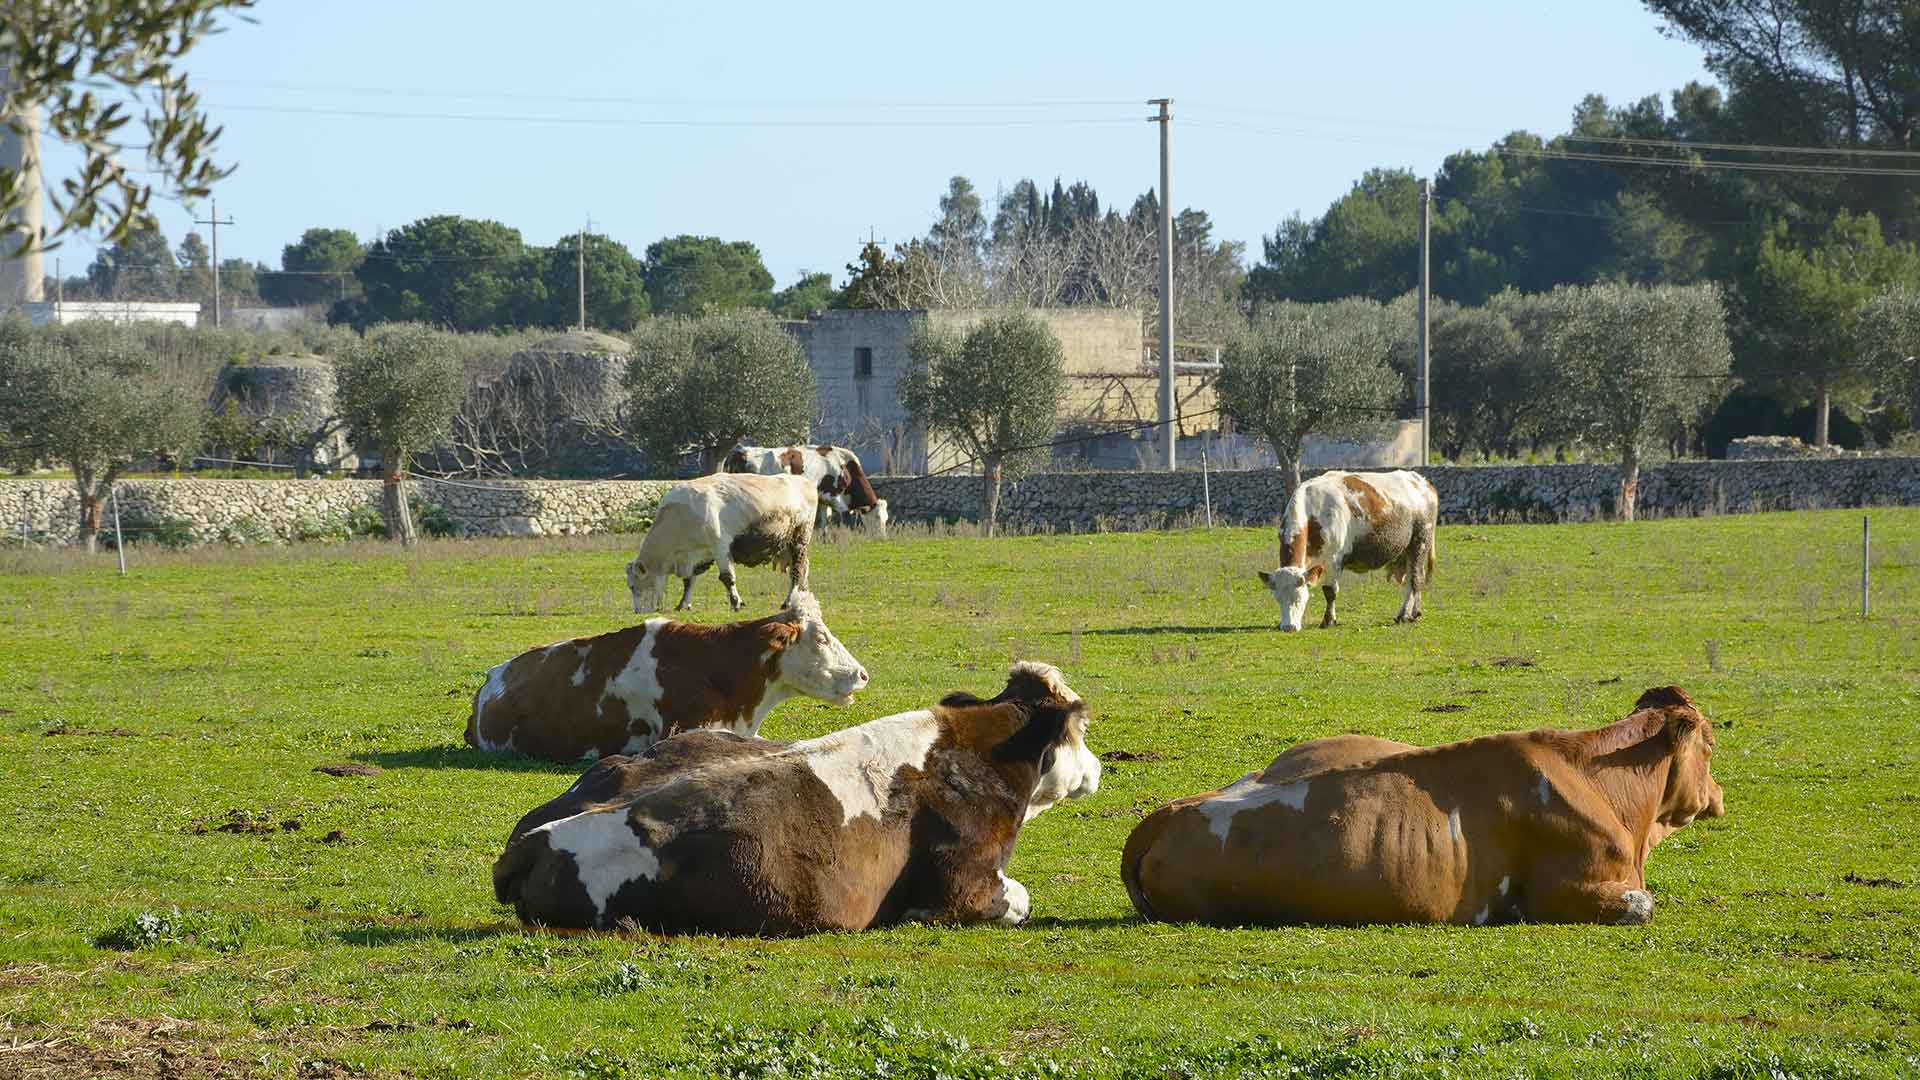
393, 496
93, 506
1822, 405
990, 512
1290, 468
1629, 482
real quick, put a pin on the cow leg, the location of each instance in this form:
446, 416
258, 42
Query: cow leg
726, 578
1416, 564
797, 562
1609, 903
1331, 590
686, 596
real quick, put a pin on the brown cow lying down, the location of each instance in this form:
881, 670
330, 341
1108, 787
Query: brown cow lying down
618, 693
1529, 826
909, 817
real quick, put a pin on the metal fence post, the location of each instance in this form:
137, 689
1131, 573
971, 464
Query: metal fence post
1866, 539
119, 540
1206, 480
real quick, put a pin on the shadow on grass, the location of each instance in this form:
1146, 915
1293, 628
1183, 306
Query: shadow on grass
1129, 631
447, 756
1099, 922
374, 936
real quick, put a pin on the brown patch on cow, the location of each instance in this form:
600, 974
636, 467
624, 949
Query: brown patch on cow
1315, 573
1664, 697
1297, 549
736, 462
1371, 502
715, 676
860, 494
1316, 538
349, 768
792, 460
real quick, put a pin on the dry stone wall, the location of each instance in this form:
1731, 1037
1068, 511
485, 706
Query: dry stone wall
47, 511
1079, 502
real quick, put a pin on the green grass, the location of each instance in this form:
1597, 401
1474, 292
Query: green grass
139, 715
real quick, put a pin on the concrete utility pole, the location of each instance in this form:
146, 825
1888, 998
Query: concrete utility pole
1424, 394
580, 265
213, 219
1168, 414
22, 272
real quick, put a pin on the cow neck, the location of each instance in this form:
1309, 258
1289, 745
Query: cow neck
1629, 762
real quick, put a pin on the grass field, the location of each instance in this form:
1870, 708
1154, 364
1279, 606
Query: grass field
160, 910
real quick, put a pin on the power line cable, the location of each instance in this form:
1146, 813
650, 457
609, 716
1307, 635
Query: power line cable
668, 122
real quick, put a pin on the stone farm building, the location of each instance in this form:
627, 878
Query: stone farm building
858, 358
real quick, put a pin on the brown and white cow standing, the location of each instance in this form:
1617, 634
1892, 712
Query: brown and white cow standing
721, 520
1354, 521
1530, 826
909, 817
835, 472
621, 692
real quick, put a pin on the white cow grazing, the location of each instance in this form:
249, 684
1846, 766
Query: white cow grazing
835, 469
1354, 521
721, 520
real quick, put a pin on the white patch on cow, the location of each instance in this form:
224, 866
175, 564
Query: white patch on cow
490, 692
580, 676
1545, 790
606, 853
637, 686
1453, 824
1639, 908
1504, 882
1019, 904
1248, 793
1480, 917
858, 763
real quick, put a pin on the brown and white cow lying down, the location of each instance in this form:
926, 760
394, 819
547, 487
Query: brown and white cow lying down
1530, 826
835, 471
1354, 521
909, 817
621, 692
721, 520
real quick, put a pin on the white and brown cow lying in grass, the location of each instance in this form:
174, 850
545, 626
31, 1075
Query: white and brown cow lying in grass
1354, 521
909, 817
721, 520
619, 693
1529, 826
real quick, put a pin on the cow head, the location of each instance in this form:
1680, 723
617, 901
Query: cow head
1054, 737
856, 495
1291, 586
1691, 789
812, 660
736, 460
648, 589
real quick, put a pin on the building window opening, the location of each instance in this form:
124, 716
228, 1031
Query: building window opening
863, 363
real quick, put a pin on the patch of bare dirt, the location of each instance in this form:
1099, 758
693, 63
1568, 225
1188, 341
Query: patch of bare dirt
111, 733
246, 821
142, 1049
1129, 755
1512, 661
1444, 706
1854, 878
349, 768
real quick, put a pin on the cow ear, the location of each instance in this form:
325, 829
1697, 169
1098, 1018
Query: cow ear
1680, 724
782, 633
1663, 697
1314, 573
1266, 577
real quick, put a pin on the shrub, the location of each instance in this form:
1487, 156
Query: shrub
138, 527
246, 532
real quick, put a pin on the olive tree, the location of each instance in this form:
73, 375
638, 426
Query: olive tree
1636, 365
995, 391
398, 389
90, 64
699, 385
1311, 369
1888, 339
88, 398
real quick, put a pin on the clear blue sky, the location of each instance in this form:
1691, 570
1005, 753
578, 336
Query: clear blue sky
787, 126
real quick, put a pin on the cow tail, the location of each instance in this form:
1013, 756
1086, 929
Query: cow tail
1135, 852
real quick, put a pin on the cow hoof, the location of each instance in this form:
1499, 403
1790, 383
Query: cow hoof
1639, 908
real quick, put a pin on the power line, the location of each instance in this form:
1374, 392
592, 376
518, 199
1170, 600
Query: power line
663, 122
1767, 148
1544, 153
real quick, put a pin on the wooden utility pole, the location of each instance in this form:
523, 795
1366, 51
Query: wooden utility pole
214, 222
1169, 418
1424, 395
